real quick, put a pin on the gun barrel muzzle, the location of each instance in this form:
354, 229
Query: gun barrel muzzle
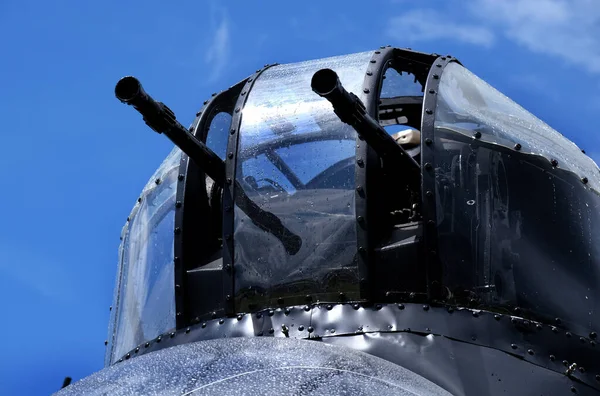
128, 88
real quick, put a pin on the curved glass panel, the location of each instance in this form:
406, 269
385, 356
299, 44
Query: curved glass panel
471, 105
513, 231
144, 300
255, 366
296, 160
218, 134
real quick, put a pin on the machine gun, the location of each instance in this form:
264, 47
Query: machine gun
162, 120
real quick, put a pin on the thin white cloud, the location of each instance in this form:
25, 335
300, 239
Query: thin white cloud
218, 52
569, 30
564, 29
426, 25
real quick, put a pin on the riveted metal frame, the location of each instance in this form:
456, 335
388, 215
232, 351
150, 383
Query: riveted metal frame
428, 187
191, 193
537, 343
367, 161
229, 194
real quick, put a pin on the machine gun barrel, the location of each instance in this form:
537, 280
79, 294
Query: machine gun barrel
349, 108
161, 119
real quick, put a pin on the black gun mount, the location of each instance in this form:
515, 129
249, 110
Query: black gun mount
349, 108
161, 119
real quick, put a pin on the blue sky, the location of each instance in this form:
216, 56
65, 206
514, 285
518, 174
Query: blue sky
75, 159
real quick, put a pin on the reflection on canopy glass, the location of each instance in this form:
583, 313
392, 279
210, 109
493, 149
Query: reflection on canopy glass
144, 301
512, 228
296, 160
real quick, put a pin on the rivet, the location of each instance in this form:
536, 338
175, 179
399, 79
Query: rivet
356, 306
552, 357
538, 326
177, 230
554, 163
373, 61
308, 298
228, 267
428, 141
286, 311
573, 389
475, 314
187, 330
361, 249
593, 335
530, 351
271, 330
250, 80
172, 334
271, 312
513, 346
497, 317
359, 189
237, 109
146, 345
554, 329
213, 94
228, 180
137, 349
597, 377
243, 93
432, 91
431, 222
232, 131
191, 129
230, 155
517, 147
428, 166
105, 342
128, 219
378, 307
301, 328
258, 315
180, 176
565, 363
428, 111
280, 301
400, 306
360, 162
178, 204
582, 340
582, 369
159, 339
228, 297
240, 317
306, 308
139, 200
517, 310
310, 329
568, 334
584, 180
378, 52
435, 77
342, 296
450, 310
477, 135
205, 102
228, 208
360, 219
198, 114
329, 307
443, 58
514, 321
429, 193
425, 307
369, 73
221, 321
366, 90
